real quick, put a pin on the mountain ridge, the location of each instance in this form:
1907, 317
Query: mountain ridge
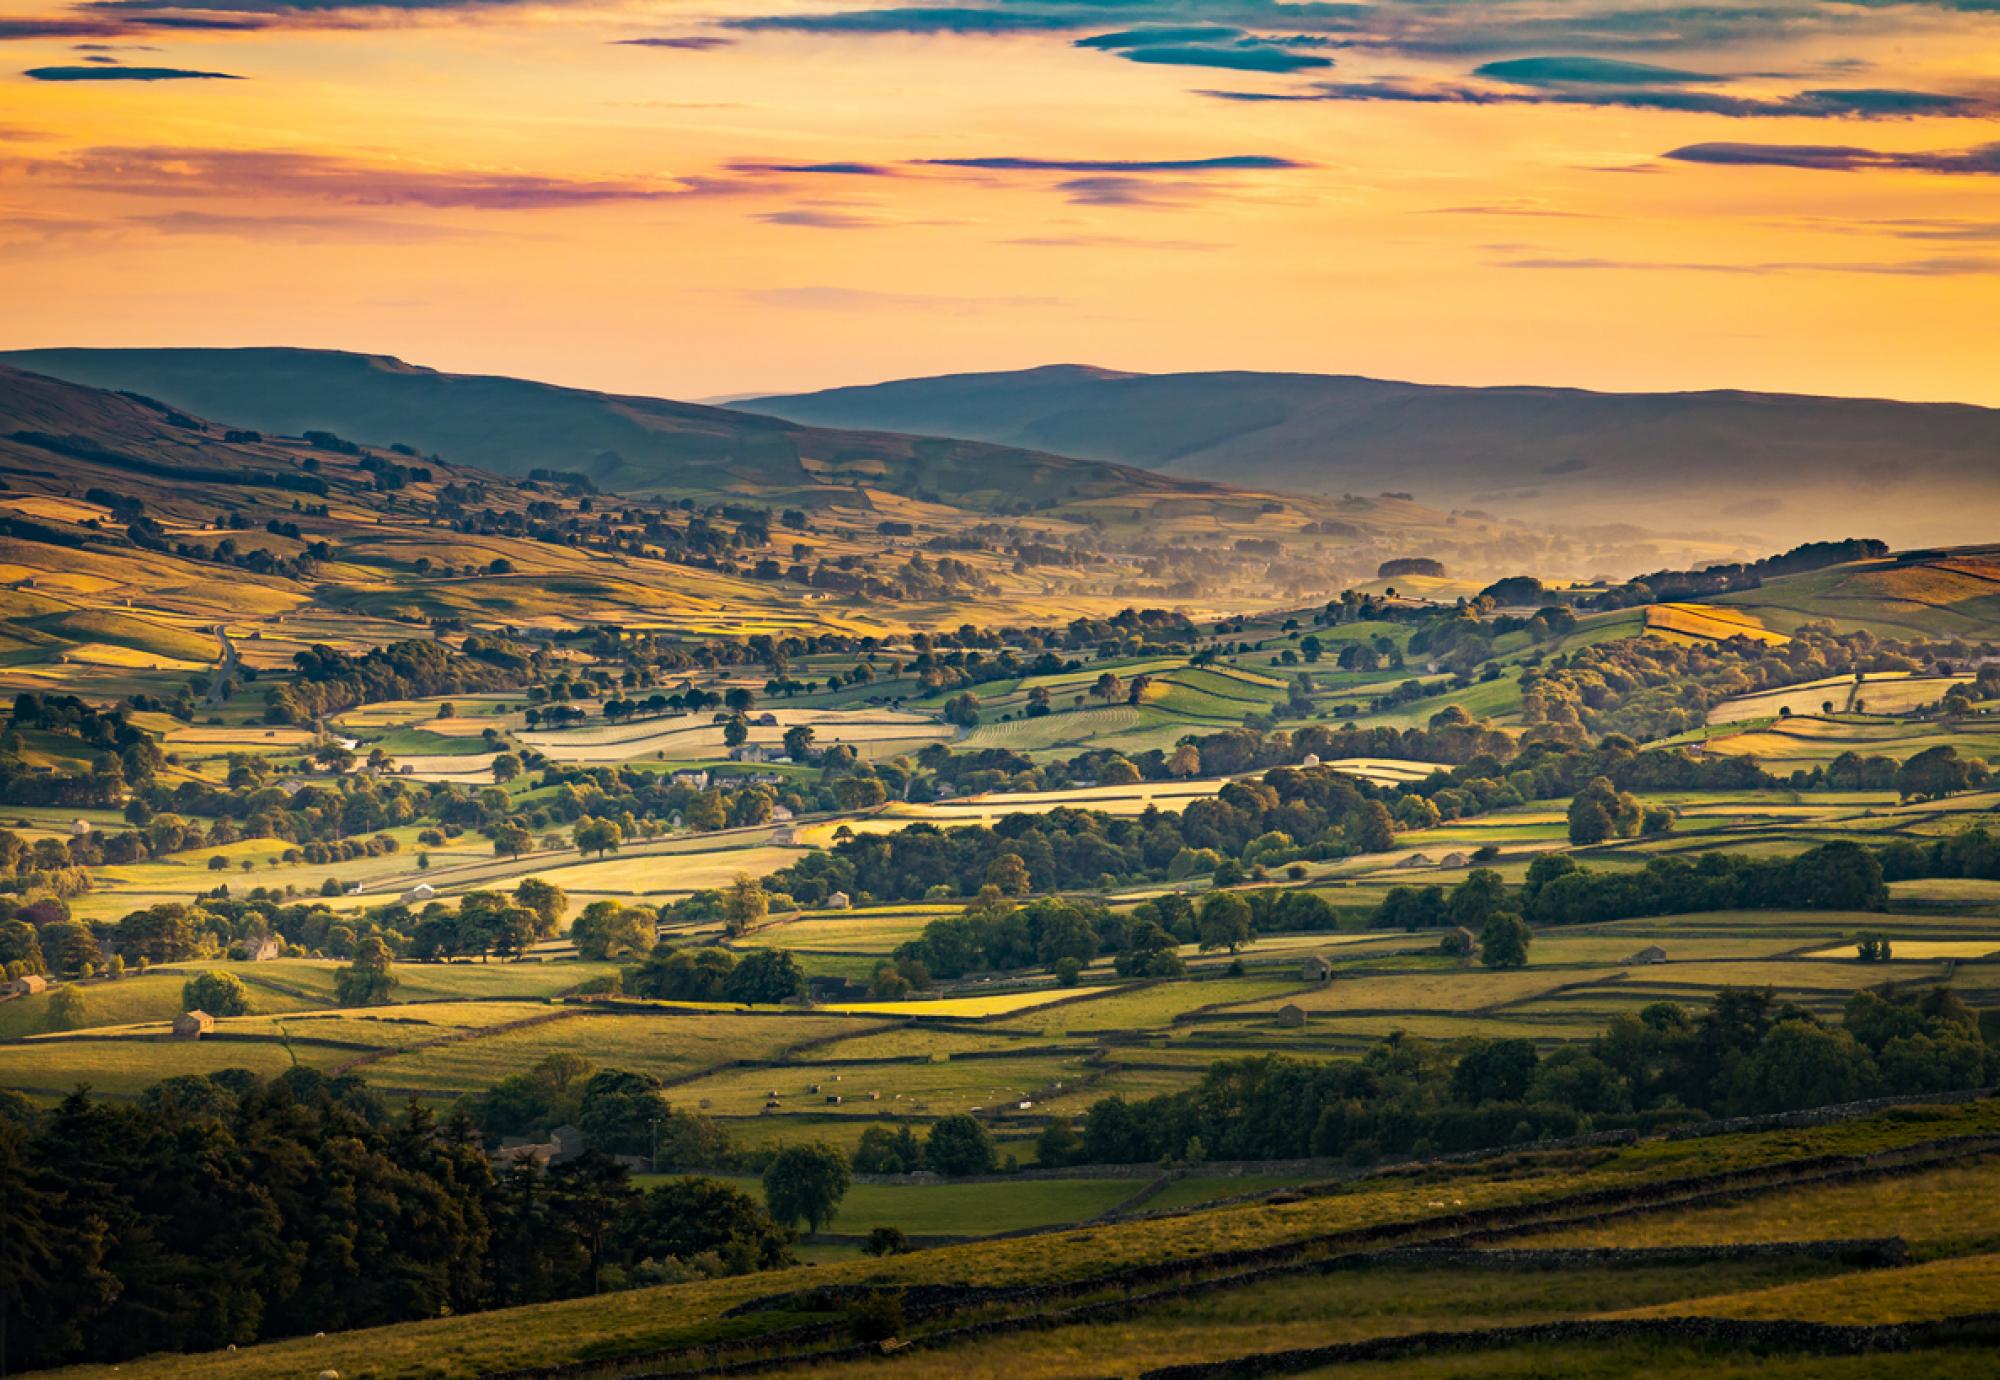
1551, 452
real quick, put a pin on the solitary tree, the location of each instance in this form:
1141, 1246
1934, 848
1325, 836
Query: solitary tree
1503, 941
805, 1183
367, 980
958, 1146
219, 994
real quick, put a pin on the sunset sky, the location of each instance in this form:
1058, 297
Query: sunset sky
693, 199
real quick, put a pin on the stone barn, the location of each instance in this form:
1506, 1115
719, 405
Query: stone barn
1652, 953
1316, 968
1291, 1017
192, 1025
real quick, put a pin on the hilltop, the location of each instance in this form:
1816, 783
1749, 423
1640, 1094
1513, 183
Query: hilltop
1783, 467
622, 443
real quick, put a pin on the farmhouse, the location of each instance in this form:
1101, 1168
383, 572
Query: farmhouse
25, 985
192, 1025
267, 948
1652, 953
694, 777
1315, 968
1291, 1016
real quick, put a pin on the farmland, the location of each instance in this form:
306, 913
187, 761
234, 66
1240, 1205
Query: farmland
509, 838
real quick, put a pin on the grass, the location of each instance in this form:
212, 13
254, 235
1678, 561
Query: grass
609, 1324
1938, 1289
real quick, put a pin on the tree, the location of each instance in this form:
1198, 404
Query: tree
1185, 762
506, 767
958, 1146
1371, 829
692, 1218
66, 1008
1503, 941
805, 1183
219, 994
1226, 921
766, 977
548, 901
744, 904
1476, 899
1935, 773
886, 1241
962, 710
1010, 874
799, 742
607, 930
736, 732
599, 836
366, 981
511, 840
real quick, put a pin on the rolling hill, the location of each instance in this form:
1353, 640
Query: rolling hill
628, 444
1782, 467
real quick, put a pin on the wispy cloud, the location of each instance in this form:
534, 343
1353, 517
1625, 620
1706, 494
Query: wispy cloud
1241, 162
690, 43
1983, 160
171, 171
1940, 267
868, 300
125, 74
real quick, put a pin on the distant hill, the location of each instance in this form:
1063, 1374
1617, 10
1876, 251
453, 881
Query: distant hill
632, 444
1783, 467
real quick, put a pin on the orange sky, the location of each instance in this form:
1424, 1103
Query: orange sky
509, 188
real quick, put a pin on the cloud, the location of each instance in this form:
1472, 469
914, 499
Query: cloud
1129, 191
1595, 71
1242, 162
1094, 241
834, 169
1981, 161
125, 74
809, 218
169, 171
1829, 103
914, 20
695, 43
1151, 35
298, 227
1241, 57
1940, 267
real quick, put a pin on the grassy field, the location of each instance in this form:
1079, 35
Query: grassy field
1260, 1315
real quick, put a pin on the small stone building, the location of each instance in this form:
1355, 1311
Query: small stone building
840, 900
422, 891
1315, 968
1291, 1017
1454, 860
25, 985
192, 1025
1652, 953
1416, 860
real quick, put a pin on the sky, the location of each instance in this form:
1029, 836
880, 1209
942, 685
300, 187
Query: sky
696, 199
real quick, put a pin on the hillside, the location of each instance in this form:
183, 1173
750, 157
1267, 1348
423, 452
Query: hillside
628, 444
1785, 468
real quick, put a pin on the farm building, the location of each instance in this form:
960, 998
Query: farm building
25, 985
422, 891
80, 828
1458, 940
192, 1025
693, 777
1311, 759
1291, 1016
1315, 968
1652, 953
1454, 860
840, 900
267, 948
1416, 860
781, 813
